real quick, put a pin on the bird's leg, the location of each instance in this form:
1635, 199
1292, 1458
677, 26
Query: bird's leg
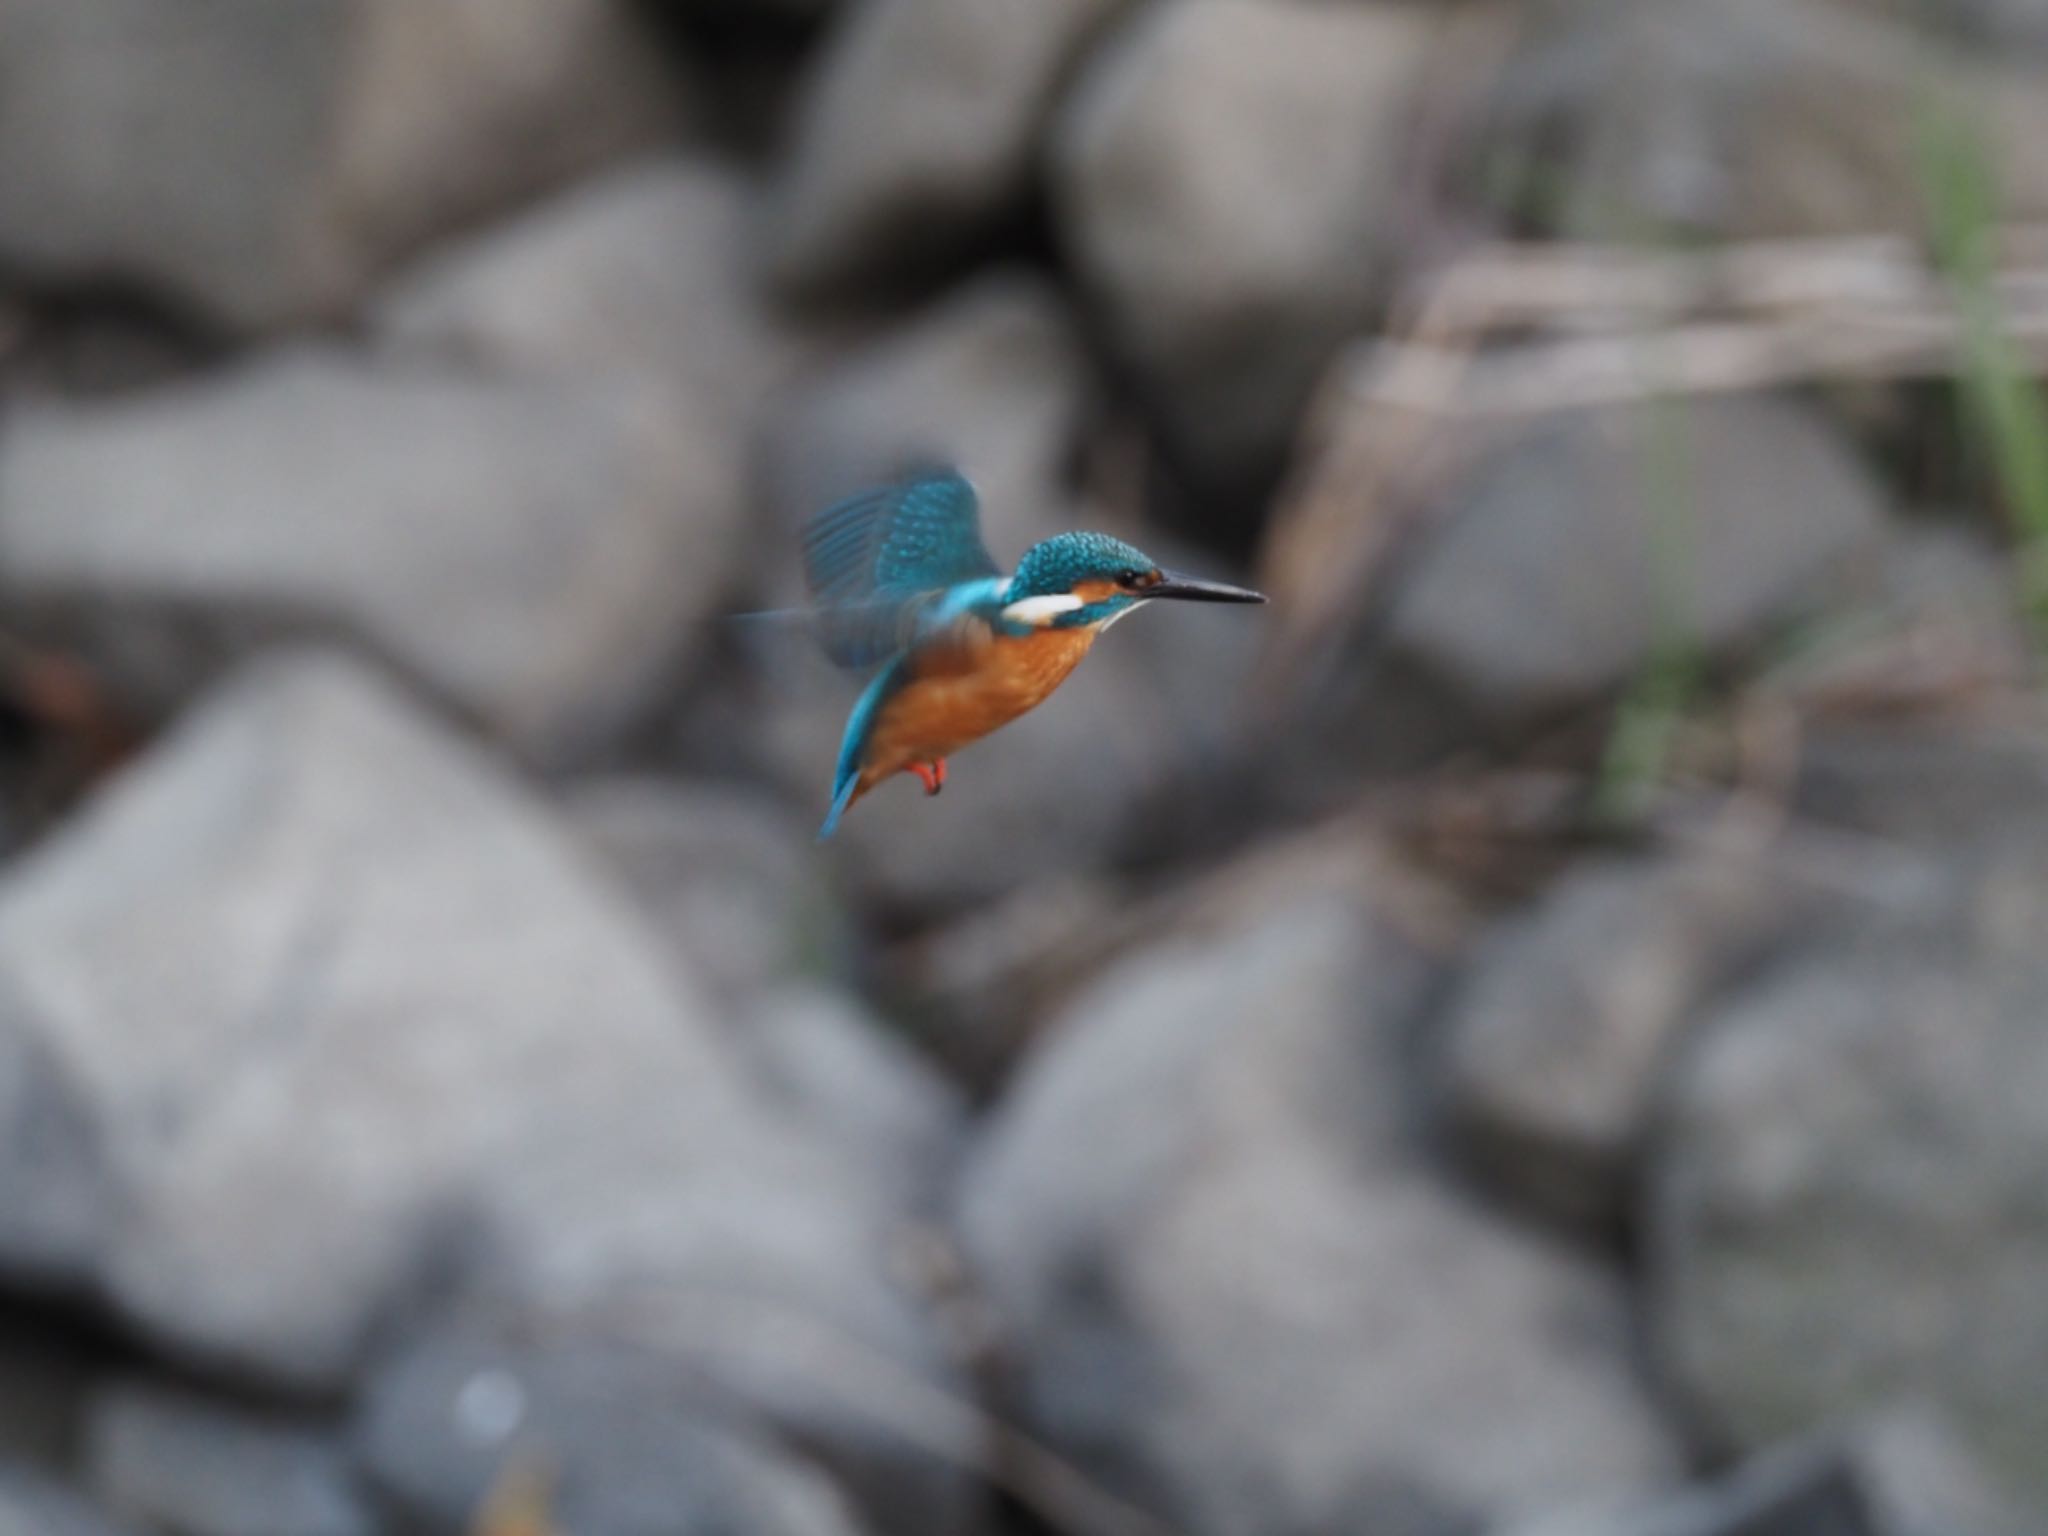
932, 775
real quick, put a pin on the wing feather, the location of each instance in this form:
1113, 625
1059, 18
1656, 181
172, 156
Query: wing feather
878, 562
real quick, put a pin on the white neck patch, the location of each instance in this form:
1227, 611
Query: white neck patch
1041, 611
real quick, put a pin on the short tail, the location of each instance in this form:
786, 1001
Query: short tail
842, 797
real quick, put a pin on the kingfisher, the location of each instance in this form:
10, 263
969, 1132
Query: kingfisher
901, 582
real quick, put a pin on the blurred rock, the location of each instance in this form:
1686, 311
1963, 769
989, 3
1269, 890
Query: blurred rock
919, 132
726, 879
188, 1467
1557, 1042
1995, 24
98, 344
1954, 580
1923, 1481
1846, 1204
1756, 119
1940, 625
1902, 1475
992, 378
992, 375
406, 1053
261, 164
346, 1028
56, 1197
1225, 177
827, 1063
539, 551
624, 1447
767, 11
649, 270
319, 912
31, 1505
1558, 561
736, 890
47, 1372
1933, 783
751, 1255
981, 983
1234, 1291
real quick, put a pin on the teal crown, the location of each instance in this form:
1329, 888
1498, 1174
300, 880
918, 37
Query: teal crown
1064, 561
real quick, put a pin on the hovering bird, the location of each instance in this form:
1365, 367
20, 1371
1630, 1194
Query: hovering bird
902, 582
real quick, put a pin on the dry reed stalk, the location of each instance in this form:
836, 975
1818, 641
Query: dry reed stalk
1510, 332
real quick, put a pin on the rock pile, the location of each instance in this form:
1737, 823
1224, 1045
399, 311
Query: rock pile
436, 1062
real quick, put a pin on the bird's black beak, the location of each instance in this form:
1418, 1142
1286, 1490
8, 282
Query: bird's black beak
1188, 589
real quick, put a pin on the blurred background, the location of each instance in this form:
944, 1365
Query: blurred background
1541, 1031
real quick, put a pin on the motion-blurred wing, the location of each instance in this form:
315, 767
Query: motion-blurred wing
874, 564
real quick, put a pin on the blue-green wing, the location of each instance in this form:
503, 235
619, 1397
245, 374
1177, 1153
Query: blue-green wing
876, 562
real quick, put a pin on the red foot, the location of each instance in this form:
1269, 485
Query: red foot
932, 775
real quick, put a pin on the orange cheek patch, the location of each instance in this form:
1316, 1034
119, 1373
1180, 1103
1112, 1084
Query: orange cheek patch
1094, 591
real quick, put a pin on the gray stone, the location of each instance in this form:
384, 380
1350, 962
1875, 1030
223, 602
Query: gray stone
331, 914
1995, 24
624, 1444
768, 11
1933, 784
1949, 584
830, 1064
736, 889
1899, 1475
52, 1213
1556, 1045
1919, 724
1806, 1496
1937, 623
993, 379
1757, 119
751, 1253
992, 375
32, 1505
1940, 623
354, 1034
1847, 1205
1225, 176
251, 963
918, 133
262, 163
980, 982
539, 551
183, 1465
649, 270
727, 878
1561, 559
48, 1369
1920, 1478
1232, 1289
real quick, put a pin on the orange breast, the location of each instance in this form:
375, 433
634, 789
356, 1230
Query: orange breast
937, 714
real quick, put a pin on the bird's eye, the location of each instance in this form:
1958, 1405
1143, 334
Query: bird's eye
1138, 581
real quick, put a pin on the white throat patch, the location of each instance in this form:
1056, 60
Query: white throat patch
1041, 611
